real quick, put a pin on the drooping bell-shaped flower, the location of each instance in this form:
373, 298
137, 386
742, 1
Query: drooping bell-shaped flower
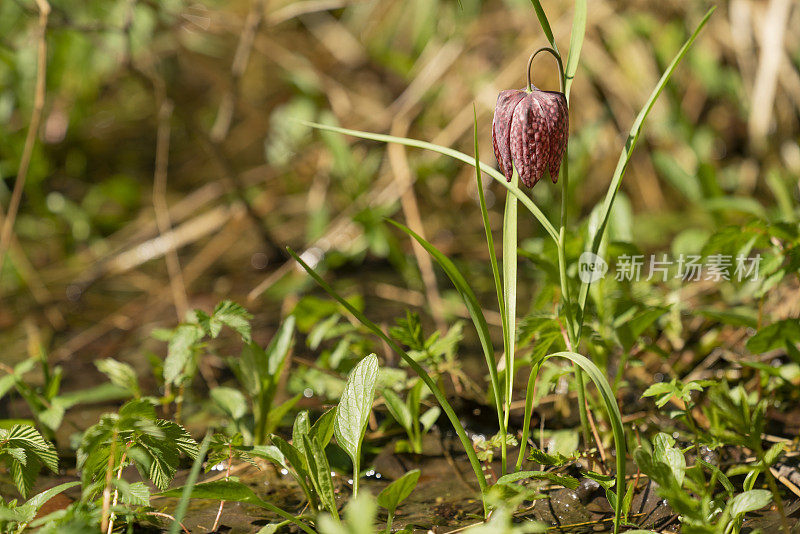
529, 132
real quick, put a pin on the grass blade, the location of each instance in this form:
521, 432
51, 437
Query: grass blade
575, 44
625, 156
614, 416
544, 23
455, 154
186, 493
510, 300
448, 410
474, 308
498, 286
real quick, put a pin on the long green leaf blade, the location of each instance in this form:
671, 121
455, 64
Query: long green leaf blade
441, 399
510, 301
627, 151
614, 416
544, 23
575, 44
186, 491
498, 286
473, 307
455, 154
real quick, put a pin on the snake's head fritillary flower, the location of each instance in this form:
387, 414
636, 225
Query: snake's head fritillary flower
530, 130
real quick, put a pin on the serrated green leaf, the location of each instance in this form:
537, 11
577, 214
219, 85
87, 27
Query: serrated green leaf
120, 374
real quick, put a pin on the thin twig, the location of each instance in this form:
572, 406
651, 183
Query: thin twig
36, 117
160, 201
167, 516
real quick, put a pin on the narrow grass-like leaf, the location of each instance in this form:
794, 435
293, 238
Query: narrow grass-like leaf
575, 45
610, 402
455, 154
627, 151
526, 425
473, 307
185, 492
544, 23
510, 301
498, 286
229, 490
448, 410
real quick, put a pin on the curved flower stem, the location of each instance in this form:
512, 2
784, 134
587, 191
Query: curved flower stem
562, 78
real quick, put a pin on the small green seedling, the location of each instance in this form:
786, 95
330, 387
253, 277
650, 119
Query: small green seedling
407, 414
395, 493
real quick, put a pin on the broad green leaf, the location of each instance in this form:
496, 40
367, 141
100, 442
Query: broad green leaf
268, 452
665, 451
750, 501
355, 406
397, 408
627, 152
775, 336
230, 400
134, 494
429, 418
279, 347
396, 492
229, 490
323, 428
31, 507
